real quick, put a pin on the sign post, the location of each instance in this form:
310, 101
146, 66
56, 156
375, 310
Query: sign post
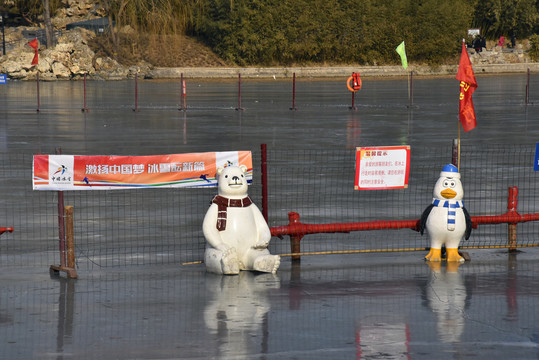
536, 162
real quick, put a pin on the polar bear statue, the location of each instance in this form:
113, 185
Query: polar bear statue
236, 233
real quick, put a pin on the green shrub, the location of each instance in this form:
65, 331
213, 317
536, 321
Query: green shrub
256, 32
534, 47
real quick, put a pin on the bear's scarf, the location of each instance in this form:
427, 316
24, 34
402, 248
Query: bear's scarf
223, 203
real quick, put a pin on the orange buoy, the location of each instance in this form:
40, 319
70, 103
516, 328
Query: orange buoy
354, 82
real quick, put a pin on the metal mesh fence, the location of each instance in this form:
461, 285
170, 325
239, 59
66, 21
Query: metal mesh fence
121, 95
319, 186
111, 228
157, 226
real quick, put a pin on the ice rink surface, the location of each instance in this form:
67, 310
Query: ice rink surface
366, 306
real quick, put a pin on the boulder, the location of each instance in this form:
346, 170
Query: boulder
60, 71
71, 58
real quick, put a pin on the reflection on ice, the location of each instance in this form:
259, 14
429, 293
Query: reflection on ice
446, 296
387, 339
237, 312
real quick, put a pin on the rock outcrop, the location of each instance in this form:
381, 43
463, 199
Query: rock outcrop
499, 55
71, 58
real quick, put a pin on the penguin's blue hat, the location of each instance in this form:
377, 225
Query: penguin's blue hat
450, 171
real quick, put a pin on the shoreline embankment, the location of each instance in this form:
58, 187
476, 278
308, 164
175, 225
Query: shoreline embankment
335, 72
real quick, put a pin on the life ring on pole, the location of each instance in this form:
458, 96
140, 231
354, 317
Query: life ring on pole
354, 82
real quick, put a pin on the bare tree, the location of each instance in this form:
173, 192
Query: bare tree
48, 26
109, 6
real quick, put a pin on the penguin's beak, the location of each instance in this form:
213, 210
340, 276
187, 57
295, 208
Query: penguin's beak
448, 193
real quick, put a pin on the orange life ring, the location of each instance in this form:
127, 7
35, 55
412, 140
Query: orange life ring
353, 83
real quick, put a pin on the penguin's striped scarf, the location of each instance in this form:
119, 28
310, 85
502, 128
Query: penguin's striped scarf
451, 212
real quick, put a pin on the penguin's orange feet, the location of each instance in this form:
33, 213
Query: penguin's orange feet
453, 255
434, 255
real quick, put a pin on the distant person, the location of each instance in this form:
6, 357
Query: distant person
501, 41
477, 44
513, 40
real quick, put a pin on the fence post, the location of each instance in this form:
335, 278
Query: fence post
85, 109
61, 223
411, 88
37, 83
239, 93
62, 212
527, 96
353, 107
512, 203
67, 233
294, 93
70, 241
264, 173
183, 103
295, 240
136, 93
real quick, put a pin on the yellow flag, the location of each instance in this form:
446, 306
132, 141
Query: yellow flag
402, 52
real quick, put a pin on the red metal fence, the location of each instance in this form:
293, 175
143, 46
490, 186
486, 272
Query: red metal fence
297, 230
137, 227
338, 219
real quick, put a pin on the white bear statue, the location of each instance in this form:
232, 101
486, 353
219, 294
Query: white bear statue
236, 232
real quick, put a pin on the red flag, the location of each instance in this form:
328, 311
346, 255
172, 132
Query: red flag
34, 44
467, 86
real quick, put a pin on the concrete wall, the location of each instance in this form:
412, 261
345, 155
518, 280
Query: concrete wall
329, 72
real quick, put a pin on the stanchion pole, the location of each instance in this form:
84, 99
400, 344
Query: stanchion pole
85, 109
411, 88
136, 93
183, 103
264, 173
353, 107
294, 92
37, 82
239, 93
528, 87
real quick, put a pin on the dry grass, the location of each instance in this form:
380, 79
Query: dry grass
158, 50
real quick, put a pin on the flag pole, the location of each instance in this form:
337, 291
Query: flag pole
458, 147
458, 124
409, 92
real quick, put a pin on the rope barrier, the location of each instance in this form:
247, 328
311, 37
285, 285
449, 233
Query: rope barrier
367, 251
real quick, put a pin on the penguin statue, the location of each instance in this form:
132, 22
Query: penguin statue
447, 221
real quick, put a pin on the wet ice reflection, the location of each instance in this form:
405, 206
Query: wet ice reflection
387, 338
335, 307
446, 297
237, 311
